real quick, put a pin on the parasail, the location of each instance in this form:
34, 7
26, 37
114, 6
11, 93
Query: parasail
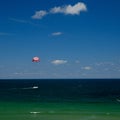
36, 59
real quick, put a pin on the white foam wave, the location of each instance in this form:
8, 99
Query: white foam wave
34, 112
26, 88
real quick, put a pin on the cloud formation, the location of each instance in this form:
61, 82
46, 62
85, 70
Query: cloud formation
87, 68
57, 33
58, 62
67, 10
39, 14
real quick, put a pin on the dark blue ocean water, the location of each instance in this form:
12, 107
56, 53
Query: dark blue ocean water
60, 90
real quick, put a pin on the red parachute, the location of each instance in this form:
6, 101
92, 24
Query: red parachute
36, 59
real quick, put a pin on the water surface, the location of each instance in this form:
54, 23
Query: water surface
60, 99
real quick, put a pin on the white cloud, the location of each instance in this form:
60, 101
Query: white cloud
104, 64
39, 14
58, 62
57, 33
69, 9
87, 68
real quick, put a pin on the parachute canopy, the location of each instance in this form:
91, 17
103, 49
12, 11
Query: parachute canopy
36, 59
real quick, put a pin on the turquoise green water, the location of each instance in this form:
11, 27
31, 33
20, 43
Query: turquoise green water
59, 111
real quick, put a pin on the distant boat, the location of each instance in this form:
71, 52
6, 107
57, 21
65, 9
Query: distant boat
35, 87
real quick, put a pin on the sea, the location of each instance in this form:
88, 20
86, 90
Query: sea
59, 99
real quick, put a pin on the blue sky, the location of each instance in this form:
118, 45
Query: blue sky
73, 38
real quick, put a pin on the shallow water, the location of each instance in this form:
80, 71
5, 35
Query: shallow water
59, 111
